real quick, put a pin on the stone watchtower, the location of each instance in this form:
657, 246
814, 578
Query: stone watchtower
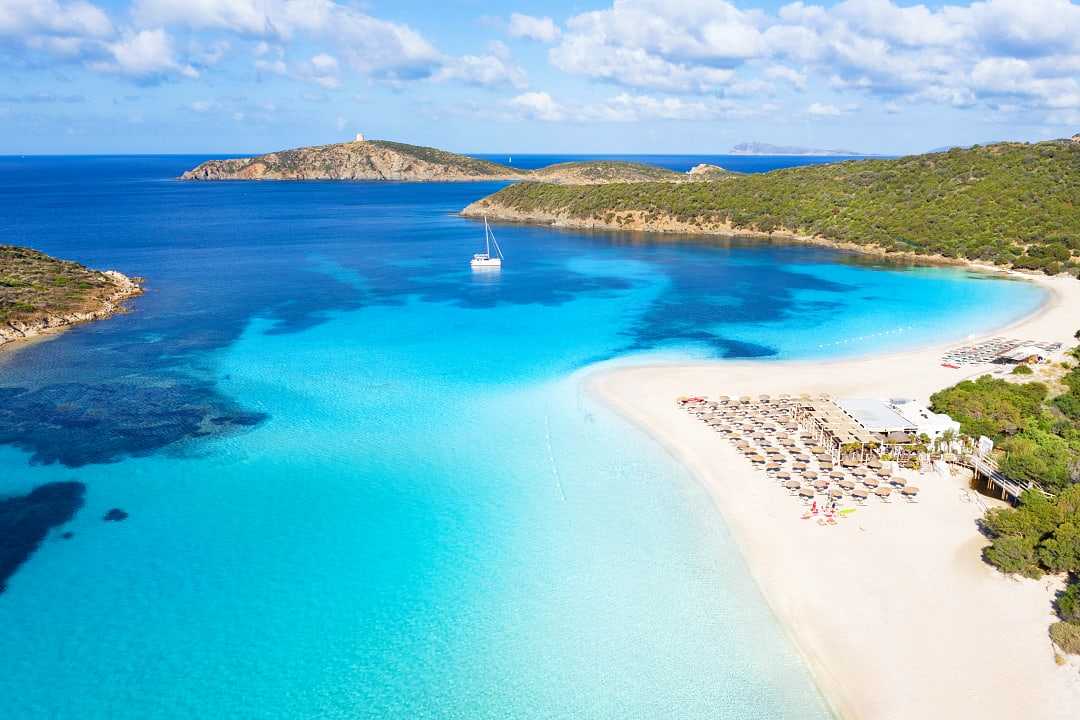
359, 137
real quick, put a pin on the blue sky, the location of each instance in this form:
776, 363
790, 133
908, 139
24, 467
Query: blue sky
619, 76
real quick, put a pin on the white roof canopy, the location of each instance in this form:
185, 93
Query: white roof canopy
876, 416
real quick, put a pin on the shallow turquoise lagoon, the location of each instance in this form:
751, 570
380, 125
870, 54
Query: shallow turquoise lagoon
386, 494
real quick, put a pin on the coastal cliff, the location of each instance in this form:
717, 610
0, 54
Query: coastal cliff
1010, 204
40, 294
385, 160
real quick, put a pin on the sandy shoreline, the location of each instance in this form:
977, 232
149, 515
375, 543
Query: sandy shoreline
893, 610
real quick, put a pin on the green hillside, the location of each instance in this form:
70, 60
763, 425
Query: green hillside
1011, 203
33, 285
463, 163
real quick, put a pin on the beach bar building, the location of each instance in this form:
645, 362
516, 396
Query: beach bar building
880, 419
832, 428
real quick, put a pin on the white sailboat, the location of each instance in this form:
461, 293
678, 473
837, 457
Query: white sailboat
485, 260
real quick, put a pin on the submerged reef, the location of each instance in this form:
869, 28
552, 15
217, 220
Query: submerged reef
76, 424
25, 520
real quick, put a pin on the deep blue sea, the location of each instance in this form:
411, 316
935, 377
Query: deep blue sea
363, 482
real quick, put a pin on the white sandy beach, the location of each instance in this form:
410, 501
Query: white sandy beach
893, 609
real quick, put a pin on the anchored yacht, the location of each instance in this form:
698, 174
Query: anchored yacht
485, 260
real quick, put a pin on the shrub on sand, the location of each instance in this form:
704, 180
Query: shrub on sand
1066, 636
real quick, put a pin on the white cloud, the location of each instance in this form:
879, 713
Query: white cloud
538, 106
382, 49
789, 75
829, 110
145, 54
49, 17
270, 59
542, 29
626, 107
634, 67
687, 46
322, 69
493, 69
919, 52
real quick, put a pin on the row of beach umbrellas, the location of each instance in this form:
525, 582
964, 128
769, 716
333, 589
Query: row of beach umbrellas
754, 425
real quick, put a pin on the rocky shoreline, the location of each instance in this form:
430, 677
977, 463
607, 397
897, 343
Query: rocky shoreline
641, 221
14, 331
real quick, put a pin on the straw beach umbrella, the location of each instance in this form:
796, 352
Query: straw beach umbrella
792, 485
859, 494
883, 492
910, 492
806, 492
870, 482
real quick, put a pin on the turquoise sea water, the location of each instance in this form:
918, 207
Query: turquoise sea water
363, 482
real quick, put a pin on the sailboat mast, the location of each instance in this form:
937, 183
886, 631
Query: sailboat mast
487, 237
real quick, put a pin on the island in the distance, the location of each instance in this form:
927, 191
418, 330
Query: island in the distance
760, 148
363, 159
40, 294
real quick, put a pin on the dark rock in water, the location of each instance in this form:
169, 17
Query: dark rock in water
115, 515
79, 423
67, 536
25, 520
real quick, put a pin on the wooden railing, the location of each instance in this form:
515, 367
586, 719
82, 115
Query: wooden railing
988, 468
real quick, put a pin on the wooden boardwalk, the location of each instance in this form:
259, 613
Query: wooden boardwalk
987, 468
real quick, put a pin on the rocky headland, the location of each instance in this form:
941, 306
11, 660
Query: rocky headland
40, 294
385, 160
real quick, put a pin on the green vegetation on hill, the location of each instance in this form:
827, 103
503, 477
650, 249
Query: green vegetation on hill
464, 163
1036, 438
32, 285
606, 171
1011, 204
1040, 536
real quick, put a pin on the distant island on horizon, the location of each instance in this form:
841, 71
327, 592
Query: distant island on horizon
364, 159
760, 148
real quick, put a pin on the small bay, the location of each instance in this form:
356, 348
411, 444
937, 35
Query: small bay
362, 481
